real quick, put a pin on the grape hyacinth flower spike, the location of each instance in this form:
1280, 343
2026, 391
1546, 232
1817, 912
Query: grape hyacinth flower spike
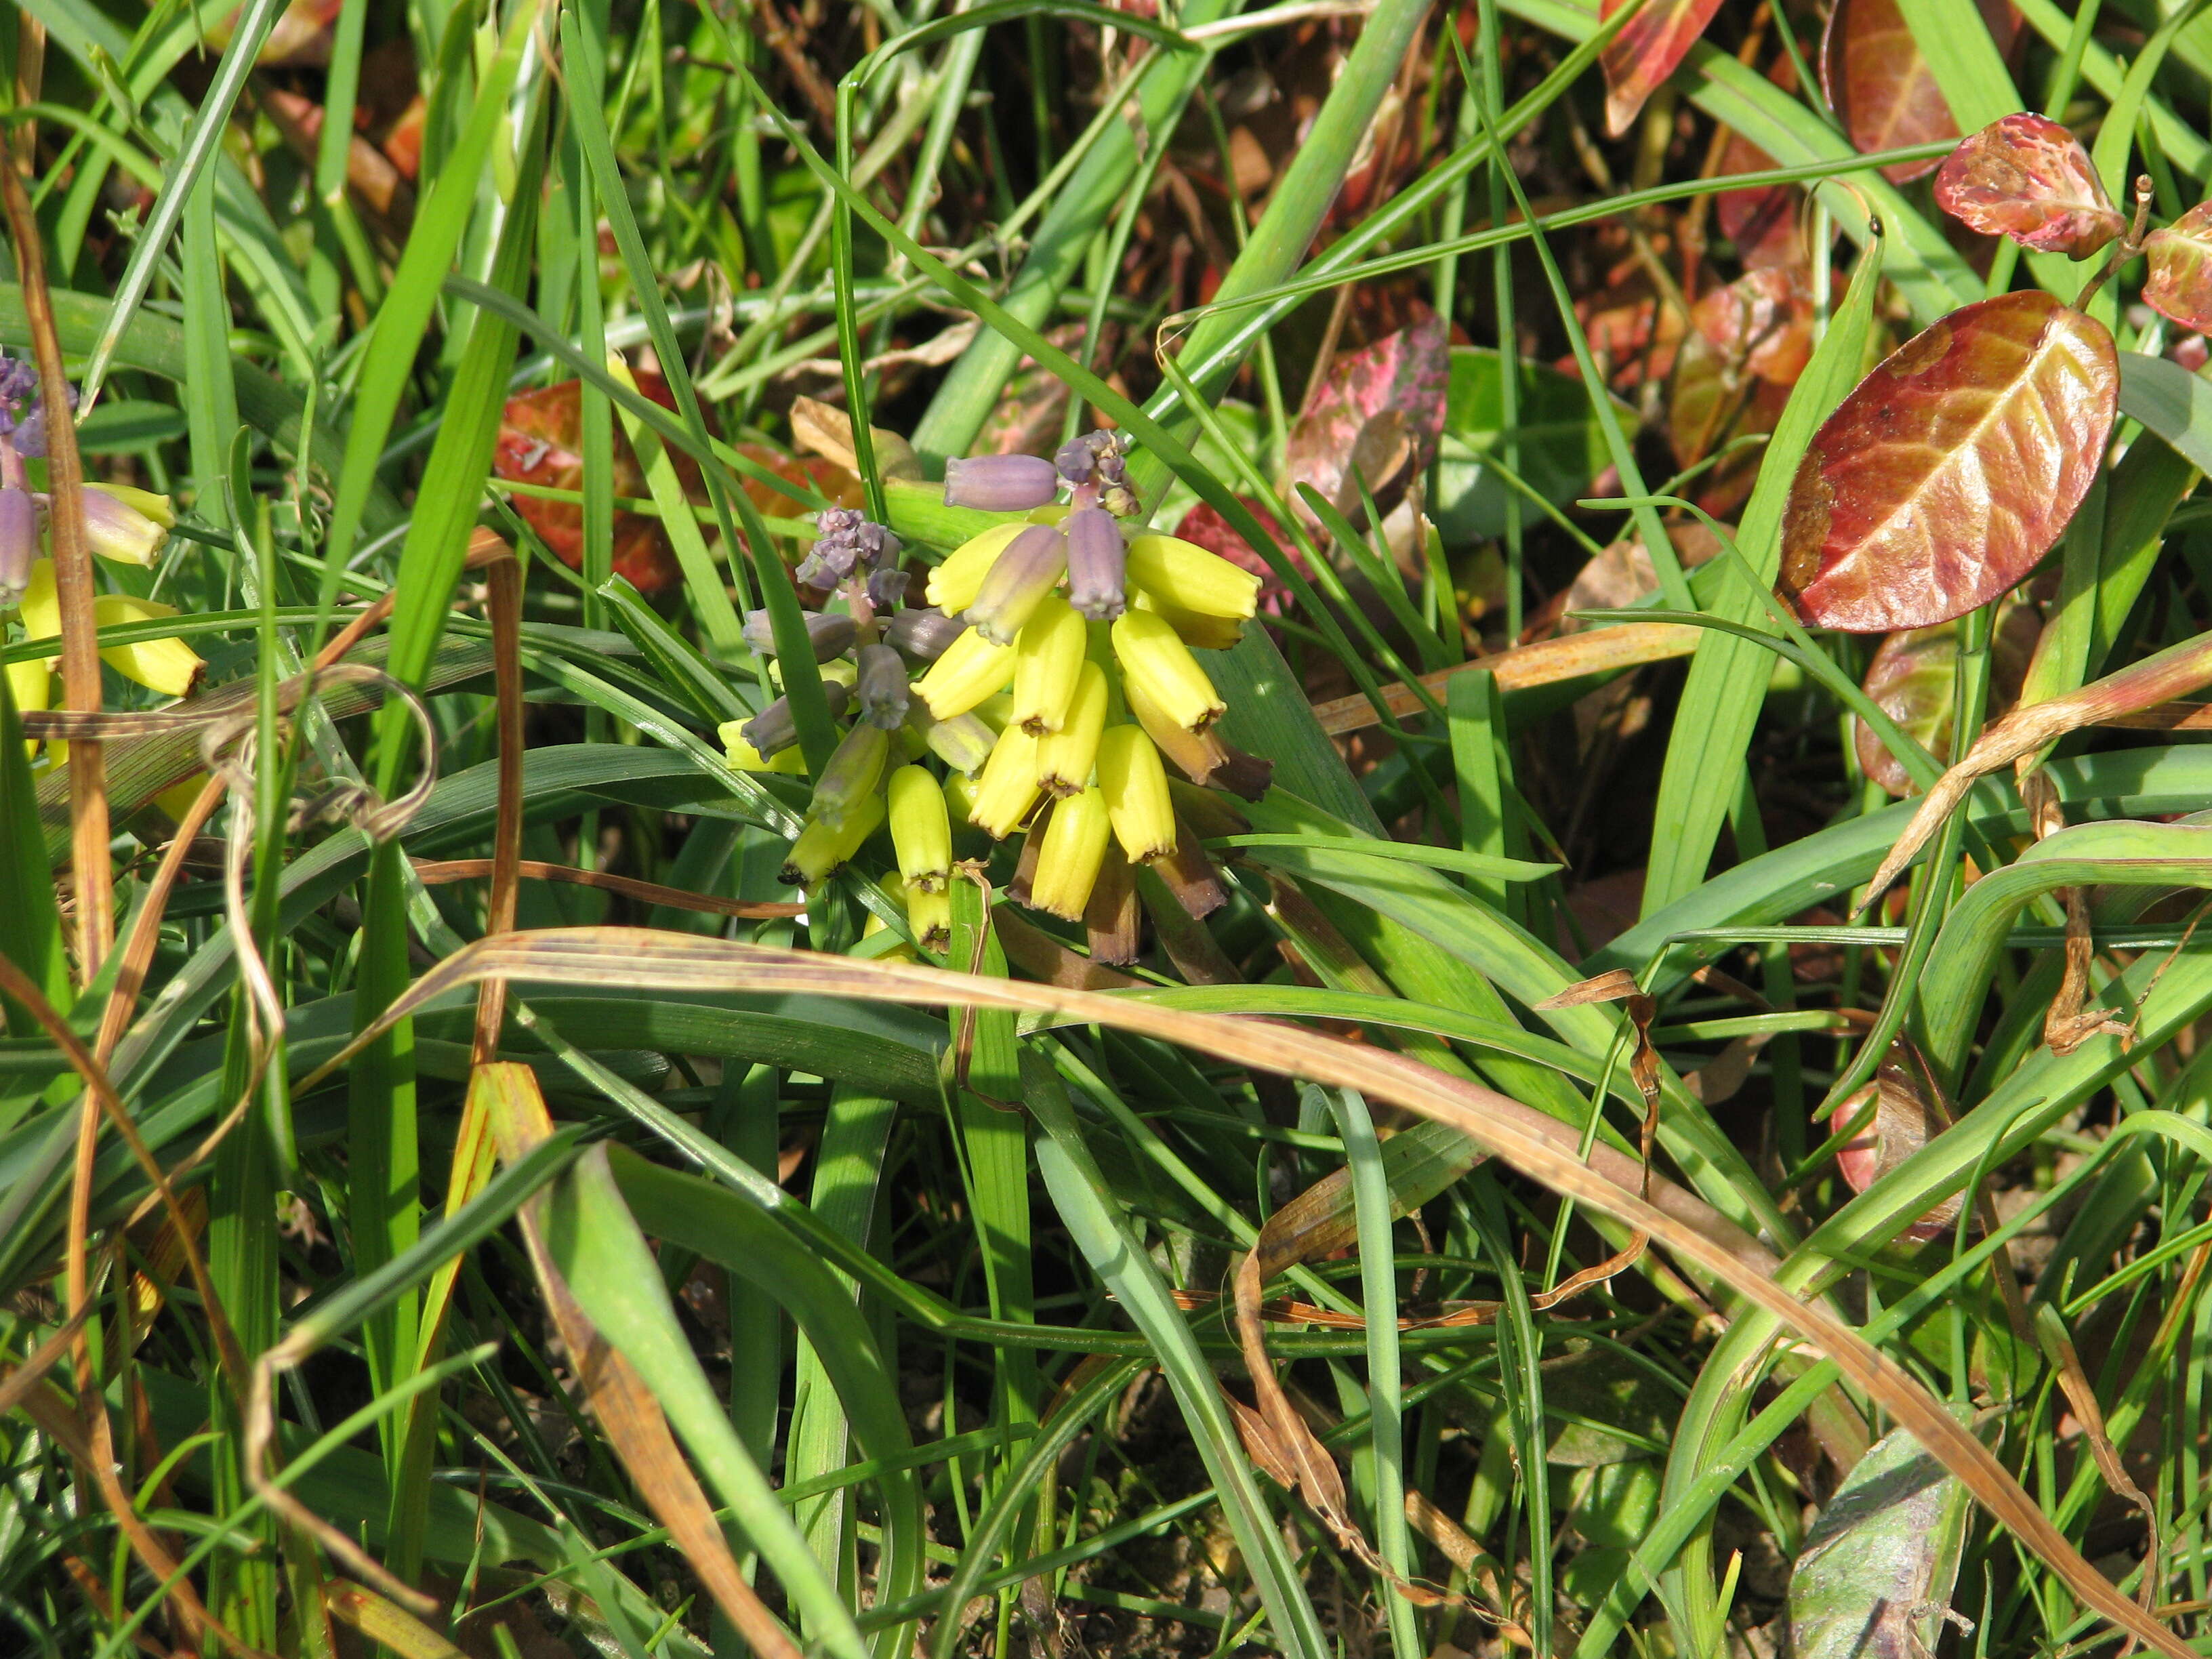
1093, 625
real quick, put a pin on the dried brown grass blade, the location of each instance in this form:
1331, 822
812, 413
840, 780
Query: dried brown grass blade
504, 582
72, 588
1518, 668
146, 929
1539, 1146
2154, 680
623, 1404
2069, 1022
433, 872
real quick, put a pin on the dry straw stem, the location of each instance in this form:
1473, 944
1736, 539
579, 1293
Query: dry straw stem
2154, 680
504, 600
72, 588
1598, 650
433, 872
1536, 1145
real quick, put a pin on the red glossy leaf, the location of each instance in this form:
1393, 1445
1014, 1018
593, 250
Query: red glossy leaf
1710, 403
1951, 468
2179, 285
1646, 52
2026, 177
1760, 220
1881, 87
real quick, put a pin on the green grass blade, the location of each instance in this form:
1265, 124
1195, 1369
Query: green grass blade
1101, 1232
1722, 698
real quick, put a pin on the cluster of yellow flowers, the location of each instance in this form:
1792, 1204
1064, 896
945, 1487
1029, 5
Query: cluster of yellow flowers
129, 526
1060, 688
124, 525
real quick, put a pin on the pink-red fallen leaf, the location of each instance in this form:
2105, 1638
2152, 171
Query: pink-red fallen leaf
1888, 1120
2179, 285
1951, 468
1378, 416
1762, 323
1913, 678
1648, 49
2026, 177
1880, 87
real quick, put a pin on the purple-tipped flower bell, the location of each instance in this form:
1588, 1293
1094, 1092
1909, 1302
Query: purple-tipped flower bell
1018, 580
19, 541
830, 632
1001, 483
922, 633
774, 729
1096, 563
853, 770
883, 687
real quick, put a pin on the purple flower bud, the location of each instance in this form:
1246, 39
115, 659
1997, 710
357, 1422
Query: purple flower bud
19, 541
923, 634
883, 686
1075, 461
774, 729
1018, 581
1112, 450
1000, 483
31, 428
887, 588
830, 633
1096, 560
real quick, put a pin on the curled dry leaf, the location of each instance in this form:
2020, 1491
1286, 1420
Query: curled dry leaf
2179, 285
1646, 52
2026, 177
2173, 672
1951, 468
1912, 679
1881, 87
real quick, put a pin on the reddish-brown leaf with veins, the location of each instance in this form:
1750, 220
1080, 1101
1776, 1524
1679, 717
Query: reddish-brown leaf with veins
1649, 47
2026, 177
2179, 285
540, 442
1881, 87
1951, 468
